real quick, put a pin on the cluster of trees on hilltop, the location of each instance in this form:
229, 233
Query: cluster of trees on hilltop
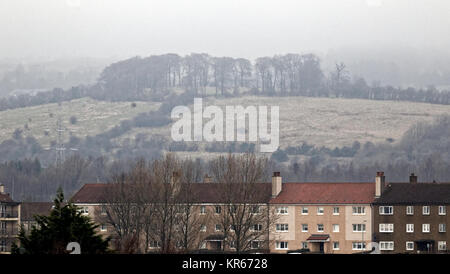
157, 78
280, 75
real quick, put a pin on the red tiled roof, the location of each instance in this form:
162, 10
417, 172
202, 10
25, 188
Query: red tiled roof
325, 193
318, 237
90, 193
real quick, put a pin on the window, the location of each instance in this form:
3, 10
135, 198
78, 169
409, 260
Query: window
386, 245
409, 245
358, 246
2, 245
154, 244
320, 210
282, 227
335, 245
203, 228
335, 228
233, 209
84, 210
426, 210
442, 210
218, 209
257, 227
409, 210
304, 227
256, 210
203, 245
387, 228
409, 228
233, 244
103, 210
102, 227
359, 210
203, 210
232, 227
320, 228
442, 245
282, 210
359, 228
281, 245
386, 210
425, 228
304, 245
304, 210
218, 227
255, 244
442, 228
336, 210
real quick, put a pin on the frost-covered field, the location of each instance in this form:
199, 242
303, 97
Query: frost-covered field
332, 121
319, 121
92, 116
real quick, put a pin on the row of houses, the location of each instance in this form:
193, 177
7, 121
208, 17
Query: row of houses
406, 217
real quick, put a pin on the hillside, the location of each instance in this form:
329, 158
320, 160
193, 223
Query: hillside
92, 117
326, 122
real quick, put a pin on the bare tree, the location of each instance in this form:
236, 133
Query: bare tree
245, 218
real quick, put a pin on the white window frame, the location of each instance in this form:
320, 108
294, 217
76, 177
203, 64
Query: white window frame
336, 210
304, 245
215, 227
323, 228
278, 245
282, 210
442, 210
320, 210
282, 227
426, 226
305, 226
386, 245
386, 228
382, 211
442, 228
305, 210
359, 246
442, 245
103, 227
334, 228
426, 210
409, 210
203, 228
202, 210
336, 246
362, 226
358, 210
407, 247
409, 228
218, 210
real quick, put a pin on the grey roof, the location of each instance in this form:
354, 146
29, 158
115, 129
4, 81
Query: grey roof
415, 193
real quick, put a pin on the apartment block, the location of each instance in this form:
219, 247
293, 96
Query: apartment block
9, 221
411, 217
322, 217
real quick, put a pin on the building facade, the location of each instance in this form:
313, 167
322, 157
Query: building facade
411, 217
322, 217
9, 221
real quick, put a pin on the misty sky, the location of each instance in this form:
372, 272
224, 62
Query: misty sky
49, 29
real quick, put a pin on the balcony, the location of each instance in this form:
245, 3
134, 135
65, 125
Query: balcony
9, 232
9, 215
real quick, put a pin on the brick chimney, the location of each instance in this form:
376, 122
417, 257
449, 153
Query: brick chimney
413, 178
276, 184
379, 184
